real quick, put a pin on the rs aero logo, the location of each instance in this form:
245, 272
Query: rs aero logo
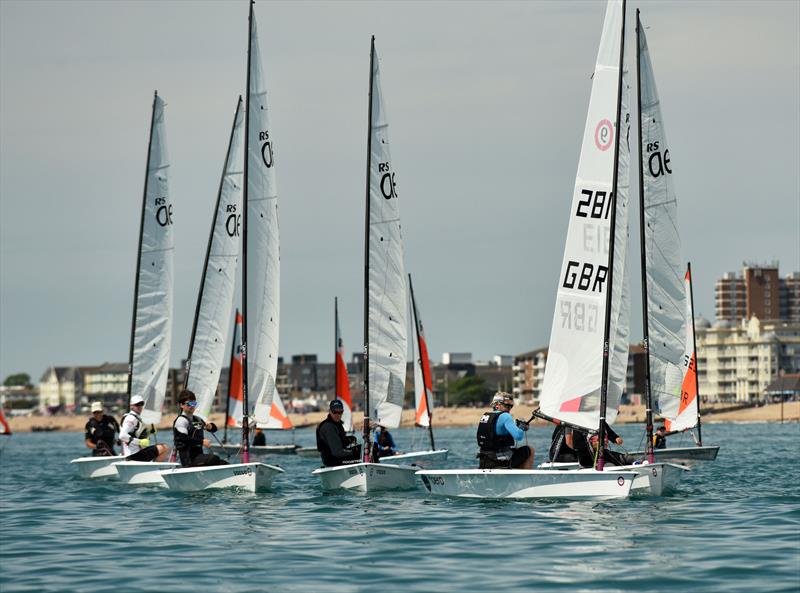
163, 212
604, 135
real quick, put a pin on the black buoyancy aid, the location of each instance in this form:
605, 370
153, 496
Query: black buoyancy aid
102, 430
324, 449
141, 428
189, 446
488, 439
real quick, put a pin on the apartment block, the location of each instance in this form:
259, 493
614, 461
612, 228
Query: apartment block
758, 292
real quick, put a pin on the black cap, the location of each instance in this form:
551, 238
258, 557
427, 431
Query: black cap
336, 406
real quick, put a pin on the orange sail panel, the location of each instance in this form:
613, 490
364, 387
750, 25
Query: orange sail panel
235, 385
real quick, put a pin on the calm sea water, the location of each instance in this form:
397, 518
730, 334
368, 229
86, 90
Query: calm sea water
733, 526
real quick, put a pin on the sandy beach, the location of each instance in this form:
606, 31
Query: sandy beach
446, 417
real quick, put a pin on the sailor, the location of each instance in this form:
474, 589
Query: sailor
259, 440
334, 446
187, 430
135, 436
497, 433
660, 438
100, 432
561, 443
585, 446
384, 445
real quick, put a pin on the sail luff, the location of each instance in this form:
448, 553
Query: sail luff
139, 245
152, 332
611, 260
218, 282
643, 256
367, 445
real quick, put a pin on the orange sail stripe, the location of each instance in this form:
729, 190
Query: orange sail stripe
688, 391
343, 382
6, 429
275, 412
422, 411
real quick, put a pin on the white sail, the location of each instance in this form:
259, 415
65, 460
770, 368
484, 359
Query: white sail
573, 375
263, 245
387, 289
666, 307
207, 351
687, 413
620, 290
152, 331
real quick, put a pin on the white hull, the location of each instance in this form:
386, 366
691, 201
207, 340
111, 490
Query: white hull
235, 448
689, 456
307, 452
97, 467
368, 477
252, 477
654, 479
530, 483
422, 458
143, 472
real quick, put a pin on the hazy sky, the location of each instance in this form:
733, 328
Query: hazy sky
486, 105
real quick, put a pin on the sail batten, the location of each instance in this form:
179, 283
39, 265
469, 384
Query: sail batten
215, 299
151, 335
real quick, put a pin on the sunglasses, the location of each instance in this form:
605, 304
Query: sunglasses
191, 404
337, 412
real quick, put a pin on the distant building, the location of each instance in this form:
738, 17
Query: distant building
758, 292
107, 383
784, 388
450, 358
738, 361
58, 387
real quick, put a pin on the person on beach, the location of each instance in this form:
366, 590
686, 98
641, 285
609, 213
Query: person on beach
135, 436
384, 445
100, 432
189, 437
497, 434
561, 445
334, 446
660, 438
259, 439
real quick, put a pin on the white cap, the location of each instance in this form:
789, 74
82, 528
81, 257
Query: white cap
97, 407
137, 399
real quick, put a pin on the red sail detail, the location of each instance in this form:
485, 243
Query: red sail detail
236, 384
688, 390
277, 413
571, 405
342, 381
4, 427
422, 410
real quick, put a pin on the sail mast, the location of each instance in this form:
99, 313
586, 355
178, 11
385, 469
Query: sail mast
335, 346
694, 350
425, 379
642, 230
246, 207
208, 248
610, 280
139, 248
230, 380
366, 431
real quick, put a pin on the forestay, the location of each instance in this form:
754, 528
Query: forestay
263, 257
667, 302
152, 327
387, 291
573, 375
215, 300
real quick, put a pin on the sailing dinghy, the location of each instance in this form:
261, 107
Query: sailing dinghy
385, 307
151, 330
582, 387
668, 314
260, 279
423, 394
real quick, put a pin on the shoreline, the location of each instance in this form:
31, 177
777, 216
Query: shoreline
443, 417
